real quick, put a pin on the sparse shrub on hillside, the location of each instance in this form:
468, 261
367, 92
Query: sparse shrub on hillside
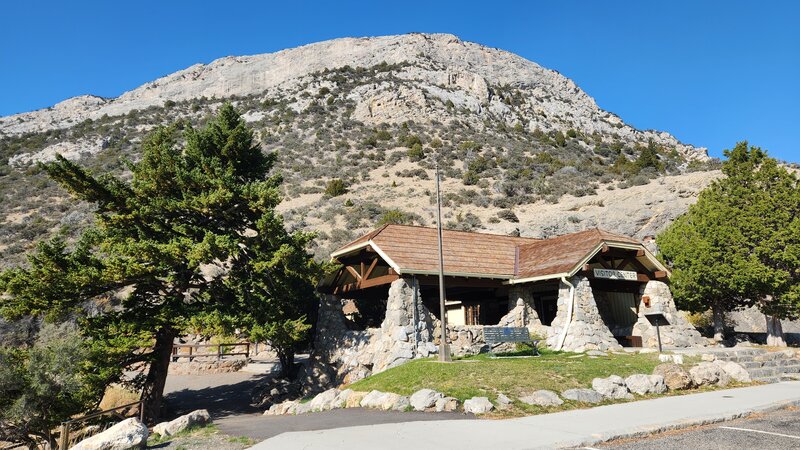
508, 215
415, 153
335, 188
559, 138
395, 216
465, 222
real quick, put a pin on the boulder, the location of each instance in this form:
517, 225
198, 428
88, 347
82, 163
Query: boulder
478, 405
446, 404
324, 400
127, 434
646, 384
197, 417
734, 370
542, 397
583, 395
424, 399
502, 401
341, 399
280, 409
708, 373
301, 408
354, 399
385, 401
675, 376
612, 387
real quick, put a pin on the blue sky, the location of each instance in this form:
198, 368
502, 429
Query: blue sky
710, 72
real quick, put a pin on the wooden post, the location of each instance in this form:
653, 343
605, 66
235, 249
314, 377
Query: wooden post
63, 438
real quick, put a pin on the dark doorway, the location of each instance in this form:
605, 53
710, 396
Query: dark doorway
546, 306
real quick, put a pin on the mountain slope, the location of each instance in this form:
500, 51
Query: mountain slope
512, 138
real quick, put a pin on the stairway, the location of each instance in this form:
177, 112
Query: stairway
763, 365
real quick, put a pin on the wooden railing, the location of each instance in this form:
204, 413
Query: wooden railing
95, 423
194, 348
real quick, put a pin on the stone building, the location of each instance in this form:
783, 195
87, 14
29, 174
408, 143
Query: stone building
589, 290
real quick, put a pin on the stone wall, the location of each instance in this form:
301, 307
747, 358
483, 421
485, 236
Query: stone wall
587, 330
679, 332
406, 333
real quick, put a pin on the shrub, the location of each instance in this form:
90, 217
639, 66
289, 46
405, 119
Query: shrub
415, 153
470, 178
335, 188
507, 214
396, 217
561, 141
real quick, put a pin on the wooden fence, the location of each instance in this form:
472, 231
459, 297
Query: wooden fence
220, 353
95, 423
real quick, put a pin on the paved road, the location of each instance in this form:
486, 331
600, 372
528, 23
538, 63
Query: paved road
260, 427
227, 398
222, 394
773, 430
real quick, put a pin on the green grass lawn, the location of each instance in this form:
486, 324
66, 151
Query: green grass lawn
483, 375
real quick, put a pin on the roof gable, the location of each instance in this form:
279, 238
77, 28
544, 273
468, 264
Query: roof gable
559, 255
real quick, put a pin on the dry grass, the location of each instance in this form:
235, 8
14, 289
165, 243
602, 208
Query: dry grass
117, 396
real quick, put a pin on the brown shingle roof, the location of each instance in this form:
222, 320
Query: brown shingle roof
561, 254
414, 249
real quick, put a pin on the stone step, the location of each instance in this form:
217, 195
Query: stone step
769, 379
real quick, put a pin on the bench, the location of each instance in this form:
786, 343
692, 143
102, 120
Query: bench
497, 335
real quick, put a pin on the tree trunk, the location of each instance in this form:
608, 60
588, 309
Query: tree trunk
153, 390
774, 332
718, 320
287, 363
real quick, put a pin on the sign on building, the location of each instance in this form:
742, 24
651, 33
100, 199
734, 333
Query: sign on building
613, 274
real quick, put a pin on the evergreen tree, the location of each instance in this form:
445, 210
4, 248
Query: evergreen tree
195, 238
739, 245
648, 158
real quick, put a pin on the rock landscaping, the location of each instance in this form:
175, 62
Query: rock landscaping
425, 399
478, 405
542, 397
646, 384
129, 433
613, 388
583, 395
194, 418
665, 376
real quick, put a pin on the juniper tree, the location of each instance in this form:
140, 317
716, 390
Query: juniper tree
739, 245
193, 236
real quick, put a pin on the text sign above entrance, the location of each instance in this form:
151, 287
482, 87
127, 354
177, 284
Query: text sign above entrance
613, 274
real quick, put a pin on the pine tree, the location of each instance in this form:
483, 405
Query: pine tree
206, 204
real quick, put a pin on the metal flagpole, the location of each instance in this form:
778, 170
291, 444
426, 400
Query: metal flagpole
444, 348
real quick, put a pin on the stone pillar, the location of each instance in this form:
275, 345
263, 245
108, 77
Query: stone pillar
586, 331
522, 312
402, 339
679, 332
331, 327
